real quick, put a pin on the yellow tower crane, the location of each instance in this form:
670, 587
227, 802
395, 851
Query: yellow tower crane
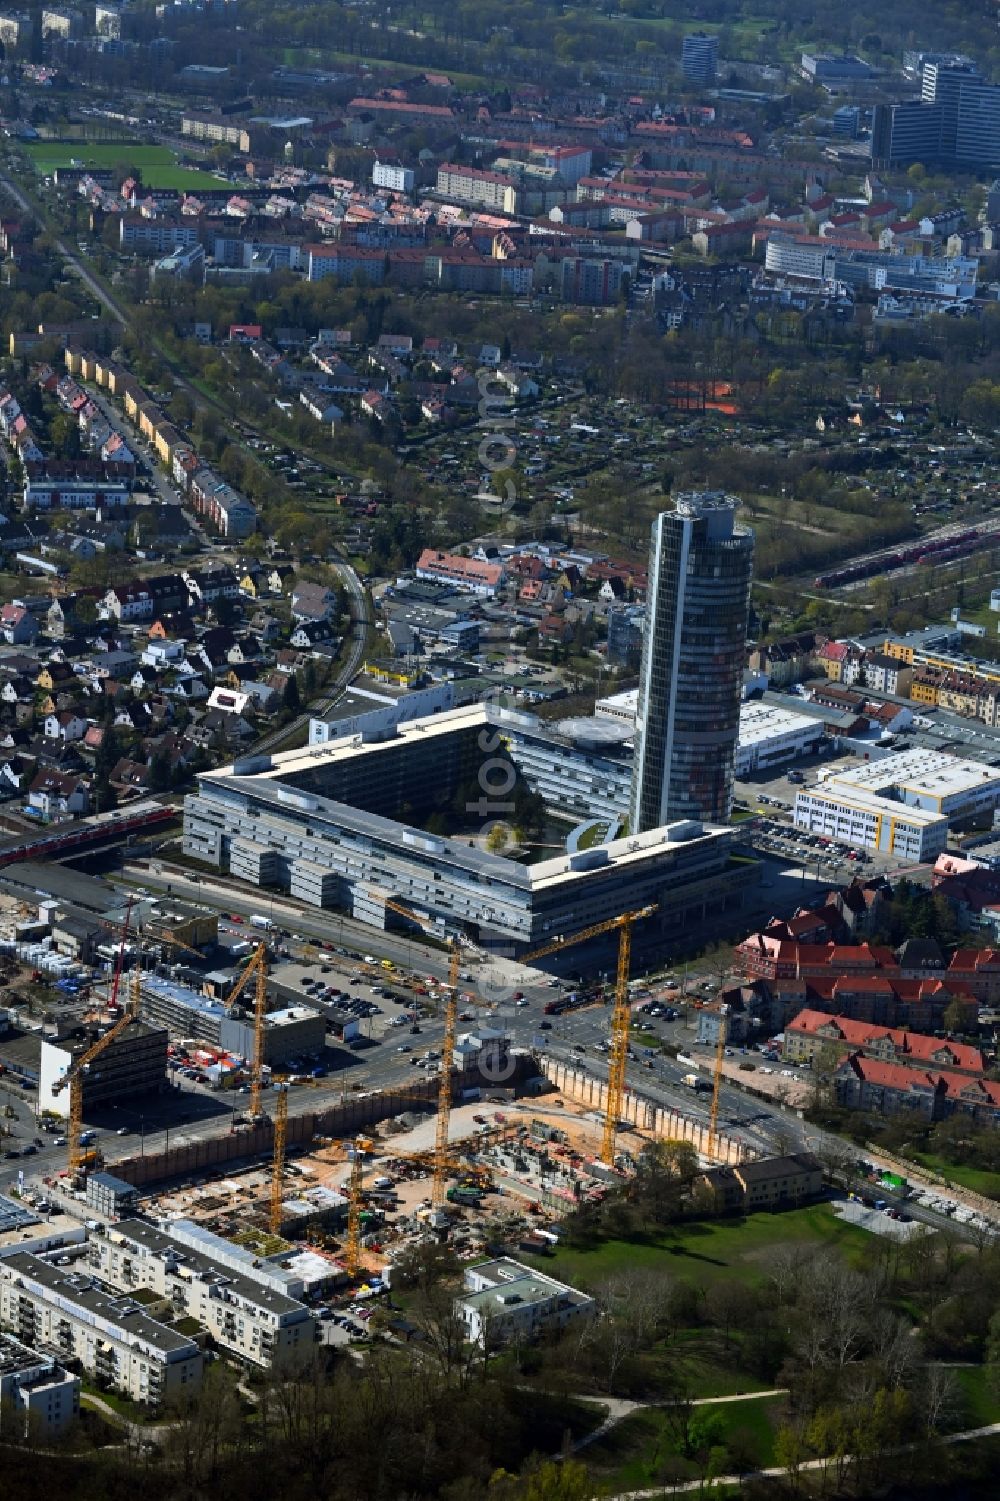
278, 1165
75, 1074
713, 1114
352, 1254
621, 1016
447, 1056
257, 969
74, 1077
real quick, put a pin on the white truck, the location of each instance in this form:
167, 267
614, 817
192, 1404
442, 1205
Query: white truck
695, 1081
258, 920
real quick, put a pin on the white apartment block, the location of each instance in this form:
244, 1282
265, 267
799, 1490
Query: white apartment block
392, 175
248, 1315
37, 1386
112, 1337
472, 185
506, 1300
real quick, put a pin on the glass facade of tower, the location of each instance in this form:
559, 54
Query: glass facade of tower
694, 651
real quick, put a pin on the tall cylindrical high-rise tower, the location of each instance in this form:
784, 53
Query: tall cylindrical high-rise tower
694, 648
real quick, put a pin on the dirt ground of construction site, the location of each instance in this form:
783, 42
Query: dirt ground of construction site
403, 1152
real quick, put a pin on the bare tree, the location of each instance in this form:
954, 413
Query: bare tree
941, 1397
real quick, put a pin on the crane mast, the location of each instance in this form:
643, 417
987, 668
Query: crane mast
621, 1016
278, 1164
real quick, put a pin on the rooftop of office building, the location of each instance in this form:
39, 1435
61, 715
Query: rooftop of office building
930, 772
270, 780
868, 800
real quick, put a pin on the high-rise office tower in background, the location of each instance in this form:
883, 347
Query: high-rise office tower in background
954, 123
700, 57
694, 649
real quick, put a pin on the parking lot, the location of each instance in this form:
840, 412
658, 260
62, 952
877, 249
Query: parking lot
775, 837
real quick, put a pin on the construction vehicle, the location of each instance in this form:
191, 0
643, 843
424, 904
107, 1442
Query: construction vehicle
621, 1017
465, 1195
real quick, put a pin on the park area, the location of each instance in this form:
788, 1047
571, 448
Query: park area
724, 1345
157, 165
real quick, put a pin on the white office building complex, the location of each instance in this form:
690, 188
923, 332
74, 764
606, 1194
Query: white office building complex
581, 766
933, 780
245, 1313
505, 1300
770, 735
326, 823
110, 1335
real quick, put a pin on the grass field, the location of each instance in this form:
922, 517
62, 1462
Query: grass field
643, 1449
978, 1180
158, 164
980, 1404
711, 1249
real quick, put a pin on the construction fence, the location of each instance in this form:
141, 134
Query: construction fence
644, 1114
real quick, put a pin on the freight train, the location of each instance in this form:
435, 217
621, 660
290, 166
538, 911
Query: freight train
938, 550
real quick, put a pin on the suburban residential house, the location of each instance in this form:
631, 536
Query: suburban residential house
18, 627
65, 726
311, 602
57, 794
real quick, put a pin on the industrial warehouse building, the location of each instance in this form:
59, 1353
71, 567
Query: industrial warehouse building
929, 779
901, 804
135, 1063
326, 823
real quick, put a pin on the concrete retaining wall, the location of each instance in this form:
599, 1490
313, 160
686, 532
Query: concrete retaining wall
644, 1114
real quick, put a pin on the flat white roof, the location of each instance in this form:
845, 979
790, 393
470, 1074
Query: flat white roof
863, 800
928, 772
760, 722
272, 784
619, 703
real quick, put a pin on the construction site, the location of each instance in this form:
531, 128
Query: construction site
458, 1156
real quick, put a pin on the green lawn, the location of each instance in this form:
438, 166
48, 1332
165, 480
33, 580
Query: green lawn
978, 1180
158, 164
981, 1406
709, 1249
643, 1449
132, 1412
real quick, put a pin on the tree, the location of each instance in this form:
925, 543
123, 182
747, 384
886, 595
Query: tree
955, 1015
498, 838
290, 697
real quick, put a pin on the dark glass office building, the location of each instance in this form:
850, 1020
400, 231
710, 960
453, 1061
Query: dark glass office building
688, 717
